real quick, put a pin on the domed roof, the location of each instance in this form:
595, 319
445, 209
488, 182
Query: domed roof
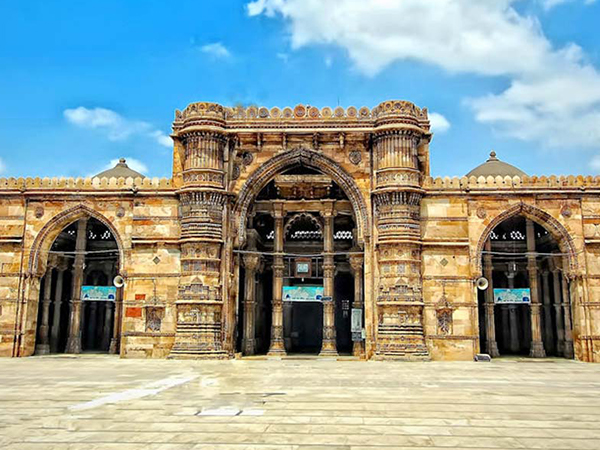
494, 167
121, 170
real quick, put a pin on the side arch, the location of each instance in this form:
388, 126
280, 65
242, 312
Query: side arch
51, 230
554, 227
310, 158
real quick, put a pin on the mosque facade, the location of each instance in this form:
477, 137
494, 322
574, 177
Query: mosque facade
302, 231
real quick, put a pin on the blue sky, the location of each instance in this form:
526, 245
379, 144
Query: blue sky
83, 83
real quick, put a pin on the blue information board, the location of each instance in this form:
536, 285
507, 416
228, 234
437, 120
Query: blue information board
512, 296
302, 293
99, 293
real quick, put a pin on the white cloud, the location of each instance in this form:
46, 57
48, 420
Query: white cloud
134, 164
216, 49
116, 127
553, 94
549, 4
439, 124
2, 166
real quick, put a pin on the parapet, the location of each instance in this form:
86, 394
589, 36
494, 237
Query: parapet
467, 184
393, 109
79, 184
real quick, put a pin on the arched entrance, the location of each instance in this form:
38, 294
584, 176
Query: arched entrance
526, 309
301, 276
77, 299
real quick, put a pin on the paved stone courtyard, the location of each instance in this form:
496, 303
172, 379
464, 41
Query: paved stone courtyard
98, 402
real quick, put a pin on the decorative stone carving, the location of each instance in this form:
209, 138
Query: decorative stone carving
355, 157
154, 317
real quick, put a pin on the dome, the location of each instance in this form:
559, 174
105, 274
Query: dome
494, 167
121, 170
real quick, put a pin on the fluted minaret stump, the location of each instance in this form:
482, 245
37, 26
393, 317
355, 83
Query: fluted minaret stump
199, 133
400, 130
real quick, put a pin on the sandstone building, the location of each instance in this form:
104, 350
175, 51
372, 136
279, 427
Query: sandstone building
268, 204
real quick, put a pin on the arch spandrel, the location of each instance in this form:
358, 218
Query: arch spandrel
258, 179
50, 231
563, 237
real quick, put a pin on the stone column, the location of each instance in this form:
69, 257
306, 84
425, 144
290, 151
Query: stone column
512, 317
92, 325
277, 347
58, 291
329, 346
566, 304
251, 263
201, 150
106, 330
114, 342
357, 265
490, 323
43, 346
537, 346
558, 309
548, 329
397, 199
74, 341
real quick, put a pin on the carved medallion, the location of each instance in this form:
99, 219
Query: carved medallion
481, 212
566, 211
120, 212
355, 157
39, 212
300, 111
247, 158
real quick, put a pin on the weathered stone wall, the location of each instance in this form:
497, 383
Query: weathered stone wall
422, 237
144, 221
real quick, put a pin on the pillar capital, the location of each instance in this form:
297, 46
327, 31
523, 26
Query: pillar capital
278, 210
251, 261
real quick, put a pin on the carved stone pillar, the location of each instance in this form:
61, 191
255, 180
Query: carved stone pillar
566, 304
251, 263
93, 324
490, 324
329, 346
277, 347
74, 341
43, 345
108, 321
547, 302
537, 346
114, 342
201, 146
58, 292
397, 199
557, 304
357, 266
513, 319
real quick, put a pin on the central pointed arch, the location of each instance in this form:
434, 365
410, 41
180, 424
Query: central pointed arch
310, 158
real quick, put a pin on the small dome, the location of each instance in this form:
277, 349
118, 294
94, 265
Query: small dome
121, 170
494, 167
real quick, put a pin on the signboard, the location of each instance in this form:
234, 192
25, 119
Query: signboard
302, 293
512, 296
99, 293
356, 324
